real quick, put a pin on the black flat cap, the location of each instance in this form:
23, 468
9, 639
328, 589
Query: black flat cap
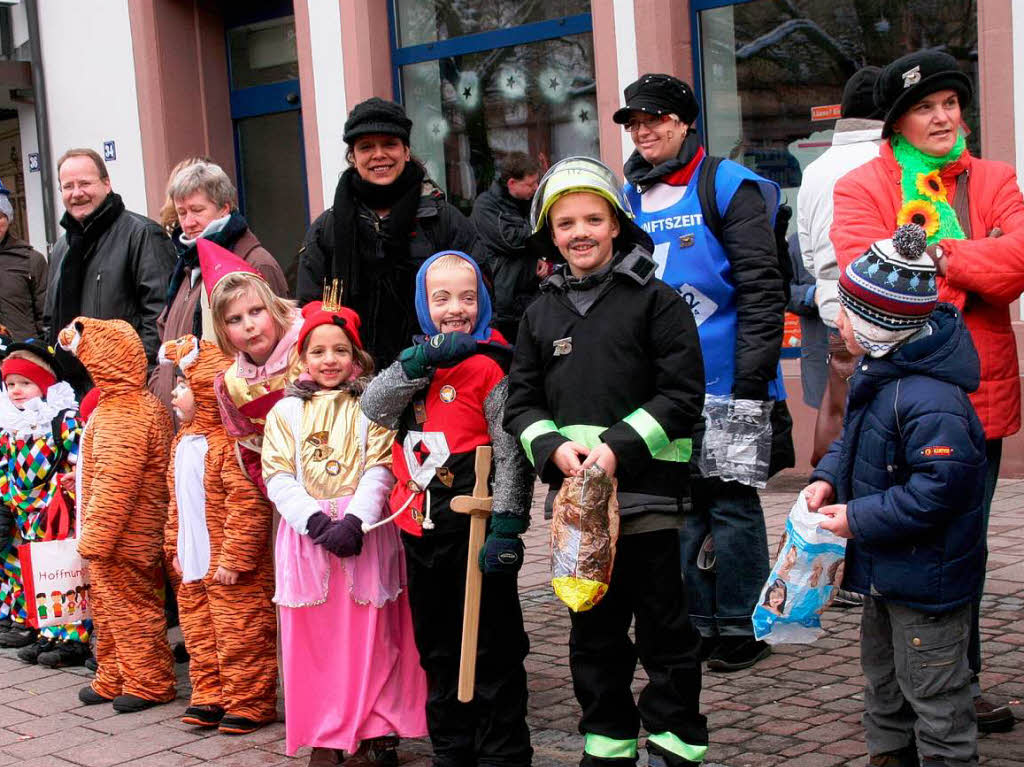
658, 95
911, 78
379, 117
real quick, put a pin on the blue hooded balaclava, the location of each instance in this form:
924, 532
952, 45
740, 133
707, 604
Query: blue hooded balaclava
482, 329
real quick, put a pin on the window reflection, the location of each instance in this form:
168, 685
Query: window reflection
427, 21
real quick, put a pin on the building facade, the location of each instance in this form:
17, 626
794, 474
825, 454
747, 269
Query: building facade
263, 88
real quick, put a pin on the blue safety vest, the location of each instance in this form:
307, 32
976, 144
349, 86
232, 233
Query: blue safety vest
695, 264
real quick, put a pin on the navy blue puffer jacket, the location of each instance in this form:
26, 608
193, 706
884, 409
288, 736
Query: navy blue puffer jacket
910, 465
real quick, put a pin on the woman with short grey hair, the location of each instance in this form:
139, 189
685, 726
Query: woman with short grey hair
205, 203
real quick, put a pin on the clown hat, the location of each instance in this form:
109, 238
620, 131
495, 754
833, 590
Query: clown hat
216, 263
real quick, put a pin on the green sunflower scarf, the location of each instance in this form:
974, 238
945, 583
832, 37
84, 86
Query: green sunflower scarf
924, 193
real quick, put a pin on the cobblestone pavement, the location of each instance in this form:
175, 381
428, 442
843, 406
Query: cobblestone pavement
800, 707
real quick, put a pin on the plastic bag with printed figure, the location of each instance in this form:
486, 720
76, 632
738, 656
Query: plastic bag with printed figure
807, 574
584, 532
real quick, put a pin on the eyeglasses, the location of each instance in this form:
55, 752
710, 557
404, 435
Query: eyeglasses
645, 122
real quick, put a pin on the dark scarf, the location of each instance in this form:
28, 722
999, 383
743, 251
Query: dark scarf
642, 174
188, 259
401, 198
82, 238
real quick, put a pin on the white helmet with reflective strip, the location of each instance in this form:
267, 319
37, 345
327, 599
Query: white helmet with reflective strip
577, 174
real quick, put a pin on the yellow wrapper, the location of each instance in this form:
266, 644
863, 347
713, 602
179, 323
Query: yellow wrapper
579, 594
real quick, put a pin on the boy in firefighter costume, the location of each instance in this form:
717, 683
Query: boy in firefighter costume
608, 372
217, 534
446, 396
39, 437
122, 514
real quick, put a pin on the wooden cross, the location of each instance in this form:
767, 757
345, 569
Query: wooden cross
478, 506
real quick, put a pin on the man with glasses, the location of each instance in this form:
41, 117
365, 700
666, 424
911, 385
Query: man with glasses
110, 263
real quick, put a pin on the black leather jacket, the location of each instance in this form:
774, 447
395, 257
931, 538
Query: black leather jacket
126, 276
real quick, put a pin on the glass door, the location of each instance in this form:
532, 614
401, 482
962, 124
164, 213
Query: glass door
267, 115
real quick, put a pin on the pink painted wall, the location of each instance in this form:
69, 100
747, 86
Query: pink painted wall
307, 92
182, 84
367, 46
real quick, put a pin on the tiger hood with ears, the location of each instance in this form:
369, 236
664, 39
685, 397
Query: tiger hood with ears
201, 362
125, 450
110, 350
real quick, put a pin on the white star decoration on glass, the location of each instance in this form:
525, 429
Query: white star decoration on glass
468, 90
512, 82
584, 117
554, 84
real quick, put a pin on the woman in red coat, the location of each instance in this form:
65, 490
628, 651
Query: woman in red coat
925, 174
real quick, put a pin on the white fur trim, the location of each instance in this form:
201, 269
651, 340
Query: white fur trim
36, 417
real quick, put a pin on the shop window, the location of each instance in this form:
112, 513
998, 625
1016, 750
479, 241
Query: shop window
480, 79
772, 73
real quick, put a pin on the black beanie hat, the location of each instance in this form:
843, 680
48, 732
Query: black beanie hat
658, 95
911, 78
859, 94
377, 116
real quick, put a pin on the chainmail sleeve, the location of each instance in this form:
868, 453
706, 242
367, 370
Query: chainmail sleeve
389, 394
513, 476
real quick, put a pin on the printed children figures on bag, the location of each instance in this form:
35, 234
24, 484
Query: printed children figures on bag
39, 443
327, 470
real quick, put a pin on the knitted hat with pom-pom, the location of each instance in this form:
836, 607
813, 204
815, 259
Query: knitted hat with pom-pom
889, 292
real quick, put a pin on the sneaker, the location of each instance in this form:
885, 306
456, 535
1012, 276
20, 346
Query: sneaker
19, 635
736, 653
238, 725
381, 752
325, 757
90, 697
31, 653
130, 704
65, 655
905, 757
993, 718
846, 598
203, 716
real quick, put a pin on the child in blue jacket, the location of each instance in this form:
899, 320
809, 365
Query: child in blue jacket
905, 480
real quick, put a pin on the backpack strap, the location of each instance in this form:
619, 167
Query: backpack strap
707, 197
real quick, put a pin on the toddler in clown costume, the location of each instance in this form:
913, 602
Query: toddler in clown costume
39, 437
351, 673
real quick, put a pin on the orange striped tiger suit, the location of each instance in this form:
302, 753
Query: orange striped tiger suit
230, 630
123, 461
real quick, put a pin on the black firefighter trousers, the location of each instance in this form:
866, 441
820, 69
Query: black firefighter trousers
646, 583
489, 731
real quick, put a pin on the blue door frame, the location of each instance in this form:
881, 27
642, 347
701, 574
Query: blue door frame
479, 41
259, 100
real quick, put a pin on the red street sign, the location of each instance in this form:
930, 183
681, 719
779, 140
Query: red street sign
826, 112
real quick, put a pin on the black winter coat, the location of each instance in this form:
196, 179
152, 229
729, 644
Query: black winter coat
23, 289
386, 300
503, 226
125, 277
629, 373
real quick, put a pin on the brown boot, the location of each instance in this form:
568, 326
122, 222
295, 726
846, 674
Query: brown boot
325, 757
905, 757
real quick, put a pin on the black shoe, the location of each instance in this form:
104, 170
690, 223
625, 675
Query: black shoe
65, 655
19, 635
380, 752
31, 653
708, 646
238, 725
992, 718
91, 664
180, 653
5, 625
736, 653
90, 697
203, 716
905, 757
130, 704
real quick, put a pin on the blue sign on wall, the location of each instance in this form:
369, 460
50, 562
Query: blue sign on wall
109, 151
33, 162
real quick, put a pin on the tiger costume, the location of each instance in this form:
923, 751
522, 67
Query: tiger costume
122, 515
218, 518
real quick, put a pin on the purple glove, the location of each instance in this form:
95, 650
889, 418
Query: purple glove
343, 537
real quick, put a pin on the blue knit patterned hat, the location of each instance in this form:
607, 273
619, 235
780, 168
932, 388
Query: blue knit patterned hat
890, 291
